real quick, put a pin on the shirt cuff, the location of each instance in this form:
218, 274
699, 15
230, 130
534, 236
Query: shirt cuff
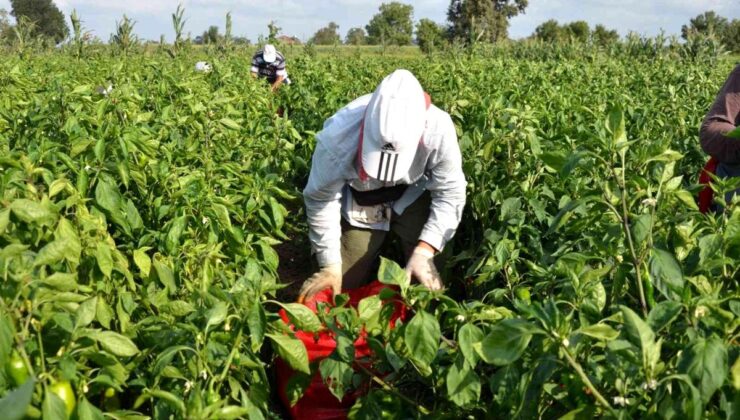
329, 257
281, 72
255, 69
434, 239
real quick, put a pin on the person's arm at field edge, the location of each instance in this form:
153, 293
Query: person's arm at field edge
720, 120
278, 82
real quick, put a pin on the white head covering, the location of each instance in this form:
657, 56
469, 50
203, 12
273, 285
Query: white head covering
395, 120
269, 54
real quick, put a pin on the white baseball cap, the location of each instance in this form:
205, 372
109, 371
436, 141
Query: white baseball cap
269, 54
395, 120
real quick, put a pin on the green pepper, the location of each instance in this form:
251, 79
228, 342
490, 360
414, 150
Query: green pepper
63, 390
17, 369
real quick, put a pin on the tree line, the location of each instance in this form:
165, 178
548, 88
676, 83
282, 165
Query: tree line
468, 21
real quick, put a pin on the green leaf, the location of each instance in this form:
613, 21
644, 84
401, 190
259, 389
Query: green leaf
257, 322
64, 282
53, 408
736, 374
4, 220
422, 335
32, 211
16, 402
615, 125
665, 273
107, 195
687, 199
468, 335
297, 386
292, 351
104, 313
337, 375
641, 227
114, 343
303, 318
178, 308
705, 362
463, 384
85, 313
230, 124
87, 411
172, 241
600, 332
710, 247
637, 330
165, 275
51, 253
392, 273
369, 307
506, 342
104, 258
216, 315
734, 134
142, 261
663, 314
67, 233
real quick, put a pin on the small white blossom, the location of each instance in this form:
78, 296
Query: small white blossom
460, 318
700, 311
204, 374
205, 220
566, 343
620, 259
650, 385
85, 388
88, 167
227, 327
621, 401
188, 385
649, 202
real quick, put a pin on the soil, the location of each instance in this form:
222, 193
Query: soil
295, 267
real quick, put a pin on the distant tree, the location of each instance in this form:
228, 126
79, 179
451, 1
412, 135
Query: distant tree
356, 36
47, 18
273, 31
579, 31
486, 20
211, 36
549, 31
392, 25
731, 38
430, 35
602, 36
6, 29
327, 35
705, 23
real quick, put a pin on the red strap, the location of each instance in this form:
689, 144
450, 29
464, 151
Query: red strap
360, 169
707, 194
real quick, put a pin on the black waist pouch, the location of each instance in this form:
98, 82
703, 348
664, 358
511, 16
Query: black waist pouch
379, 196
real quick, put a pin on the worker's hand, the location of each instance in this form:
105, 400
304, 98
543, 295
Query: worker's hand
328, 277
421, 267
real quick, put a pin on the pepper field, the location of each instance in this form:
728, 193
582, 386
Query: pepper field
139, 232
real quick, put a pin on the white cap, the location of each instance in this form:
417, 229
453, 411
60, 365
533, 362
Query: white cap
202, 66
269, 54
394, 123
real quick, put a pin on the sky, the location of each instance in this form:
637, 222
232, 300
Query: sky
302, 18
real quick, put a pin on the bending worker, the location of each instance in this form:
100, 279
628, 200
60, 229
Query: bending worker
270, 64
387, 162
723, 117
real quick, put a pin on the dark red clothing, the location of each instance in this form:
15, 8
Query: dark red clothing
722, 118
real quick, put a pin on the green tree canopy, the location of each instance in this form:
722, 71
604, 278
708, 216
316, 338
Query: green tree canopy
327, 35
603, 36
549, 31
430, 35
485, 20
392, 25
705, 23
356, 36
47, 18
579, 31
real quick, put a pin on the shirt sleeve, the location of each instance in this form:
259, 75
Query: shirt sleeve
721, 119
280, 67
447, 188
255, 63
322, 197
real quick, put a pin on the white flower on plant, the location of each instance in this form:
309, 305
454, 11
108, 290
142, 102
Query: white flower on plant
87, 168
650, 385
204, 220
85, 388
621, 401
620, 259
700, 311
204, 374
566, 342
460, 318
649, 202
188, 385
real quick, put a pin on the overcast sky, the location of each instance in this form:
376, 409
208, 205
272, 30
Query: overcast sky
303, 18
